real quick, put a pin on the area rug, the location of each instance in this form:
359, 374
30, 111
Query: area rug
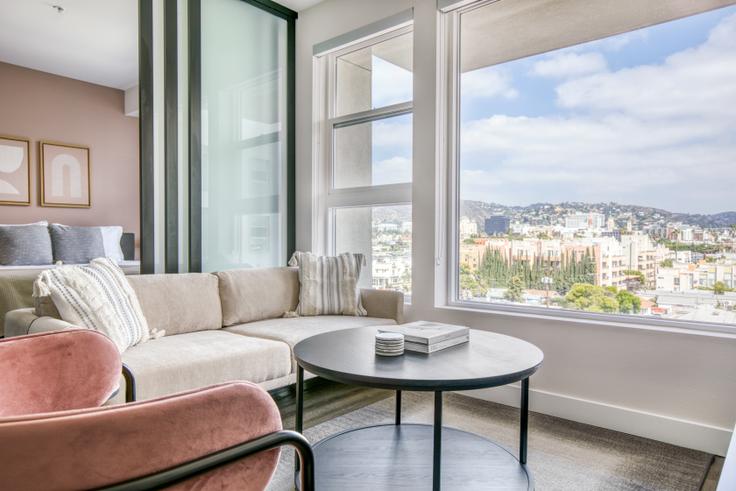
563, 455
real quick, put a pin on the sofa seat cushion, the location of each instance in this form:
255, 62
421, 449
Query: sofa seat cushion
188, 361
291, 330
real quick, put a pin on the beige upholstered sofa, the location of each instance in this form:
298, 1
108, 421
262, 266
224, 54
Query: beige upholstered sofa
218, 327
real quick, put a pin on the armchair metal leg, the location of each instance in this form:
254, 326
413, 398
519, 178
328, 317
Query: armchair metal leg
129, 384
224, 457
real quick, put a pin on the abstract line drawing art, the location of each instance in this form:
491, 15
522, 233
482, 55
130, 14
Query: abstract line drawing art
65, 175
15, 171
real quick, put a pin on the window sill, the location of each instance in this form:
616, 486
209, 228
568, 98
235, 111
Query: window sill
647, 324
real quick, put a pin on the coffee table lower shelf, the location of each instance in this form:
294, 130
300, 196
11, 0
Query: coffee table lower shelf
390, 457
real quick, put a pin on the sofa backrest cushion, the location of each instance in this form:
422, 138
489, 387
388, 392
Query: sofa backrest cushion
179, 303
249, 295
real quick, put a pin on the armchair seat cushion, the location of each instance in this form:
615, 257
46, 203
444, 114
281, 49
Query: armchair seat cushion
188, 361
291, 330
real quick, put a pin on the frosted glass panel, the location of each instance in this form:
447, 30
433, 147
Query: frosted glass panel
243, 136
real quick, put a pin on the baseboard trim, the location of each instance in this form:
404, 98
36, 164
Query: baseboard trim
689, 434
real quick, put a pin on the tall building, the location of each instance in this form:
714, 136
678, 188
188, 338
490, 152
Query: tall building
497, 225
585, 220
467, 227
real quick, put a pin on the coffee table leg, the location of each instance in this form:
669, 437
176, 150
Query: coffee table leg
398, 407
524, 423
299, 423
437, 450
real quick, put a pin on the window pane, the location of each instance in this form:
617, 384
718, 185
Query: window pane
383, 235
600, 176
376, 76
377, 152
243, 136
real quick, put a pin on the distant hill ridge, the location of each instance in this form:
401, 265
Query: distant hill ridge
551, 213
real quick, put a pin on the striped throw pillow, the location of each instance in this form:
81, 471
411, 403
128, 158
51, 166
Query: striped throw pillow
328, 285
99, 297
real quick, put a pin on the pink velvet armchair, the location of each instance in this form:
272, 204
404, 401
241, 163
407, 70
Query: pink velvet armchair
54, 435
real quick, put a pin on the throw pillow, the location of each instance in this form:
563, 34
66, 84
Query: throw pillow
22, 245
328, 285
111, 242
99, 297
76, 245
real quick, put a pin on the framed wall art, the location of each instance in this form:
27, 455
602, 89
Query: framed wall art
65, 175
15, 171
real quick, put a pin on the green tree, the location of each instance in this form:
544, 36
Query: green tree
584, 296
667, 263
636, 274
719, 288
628, 303
470, 282
515, 290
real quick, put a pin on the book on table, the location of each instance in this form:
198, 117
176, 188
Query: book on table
428, 337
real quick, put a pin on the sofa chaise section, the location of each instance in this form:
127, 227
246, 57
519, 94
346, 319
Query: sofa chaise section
218, 328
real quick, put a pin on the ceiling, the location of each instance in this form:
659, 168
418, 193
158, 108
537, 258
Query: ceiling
92, 40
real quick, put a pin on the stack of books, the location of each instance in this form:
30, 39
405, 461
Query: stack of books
429, 337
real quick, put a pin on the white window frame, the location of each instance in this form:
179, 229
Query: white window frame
448, 199
327, 198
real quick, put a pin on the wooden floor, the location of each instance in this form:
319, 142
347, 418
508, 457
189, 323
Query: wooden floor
324, 400
711, 480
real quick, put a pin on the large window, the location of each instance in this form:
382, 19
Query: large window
594, 168
366, 155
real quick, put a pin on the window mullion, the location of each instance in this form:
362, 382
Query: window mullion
372, 115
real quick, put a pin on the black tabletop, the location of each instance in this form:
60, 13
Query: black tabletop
488, 360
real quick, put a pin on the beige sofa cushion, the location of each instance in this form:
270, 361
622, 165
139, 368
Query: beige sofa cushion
293, 329
255, 294
179, 303
188, 361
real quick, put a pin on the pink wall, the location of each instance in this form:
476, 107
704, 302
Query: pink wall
42, 106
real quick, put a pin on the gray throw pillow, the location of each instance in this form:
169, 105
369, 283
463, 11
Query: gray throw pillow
23, 245
76, 245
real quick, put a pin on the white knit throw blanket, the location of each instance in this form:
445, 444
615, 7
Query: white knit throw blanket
97, 297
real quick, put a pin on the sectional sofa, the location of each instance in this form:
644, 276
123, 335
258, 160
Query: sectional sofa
218, 327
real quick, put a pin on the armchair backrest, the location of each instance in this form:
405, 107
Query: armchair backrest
99, 447
57, 371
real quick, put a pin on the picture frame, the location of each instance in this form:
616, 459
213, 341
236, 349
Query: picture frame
65, 175
15, 171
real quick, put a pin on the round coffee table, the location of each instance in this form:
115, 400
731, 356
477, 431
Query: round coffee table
410, 456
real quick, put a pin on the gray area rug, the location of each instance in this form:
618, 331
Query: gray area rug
563, 455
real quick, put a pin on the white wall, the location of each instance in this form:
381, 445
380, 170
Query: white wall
675, 386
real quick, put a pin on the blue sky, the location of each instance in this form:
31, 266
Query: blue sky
641, 118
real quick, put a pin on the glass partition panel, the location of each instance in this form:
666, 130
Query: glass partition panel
244, 70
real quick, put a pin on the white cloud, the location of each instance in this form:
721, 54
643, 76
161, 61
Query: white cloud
569, 64
392, 170
487, 83
390, 83
657, 135
690, 83
393, 132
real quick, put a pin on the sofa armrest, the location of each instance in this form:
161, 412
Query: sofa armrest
386, 304
24, 321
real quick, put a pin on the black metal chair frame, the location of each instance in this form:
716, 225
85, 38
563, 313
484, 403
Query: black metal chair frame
218, 459
221, 458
